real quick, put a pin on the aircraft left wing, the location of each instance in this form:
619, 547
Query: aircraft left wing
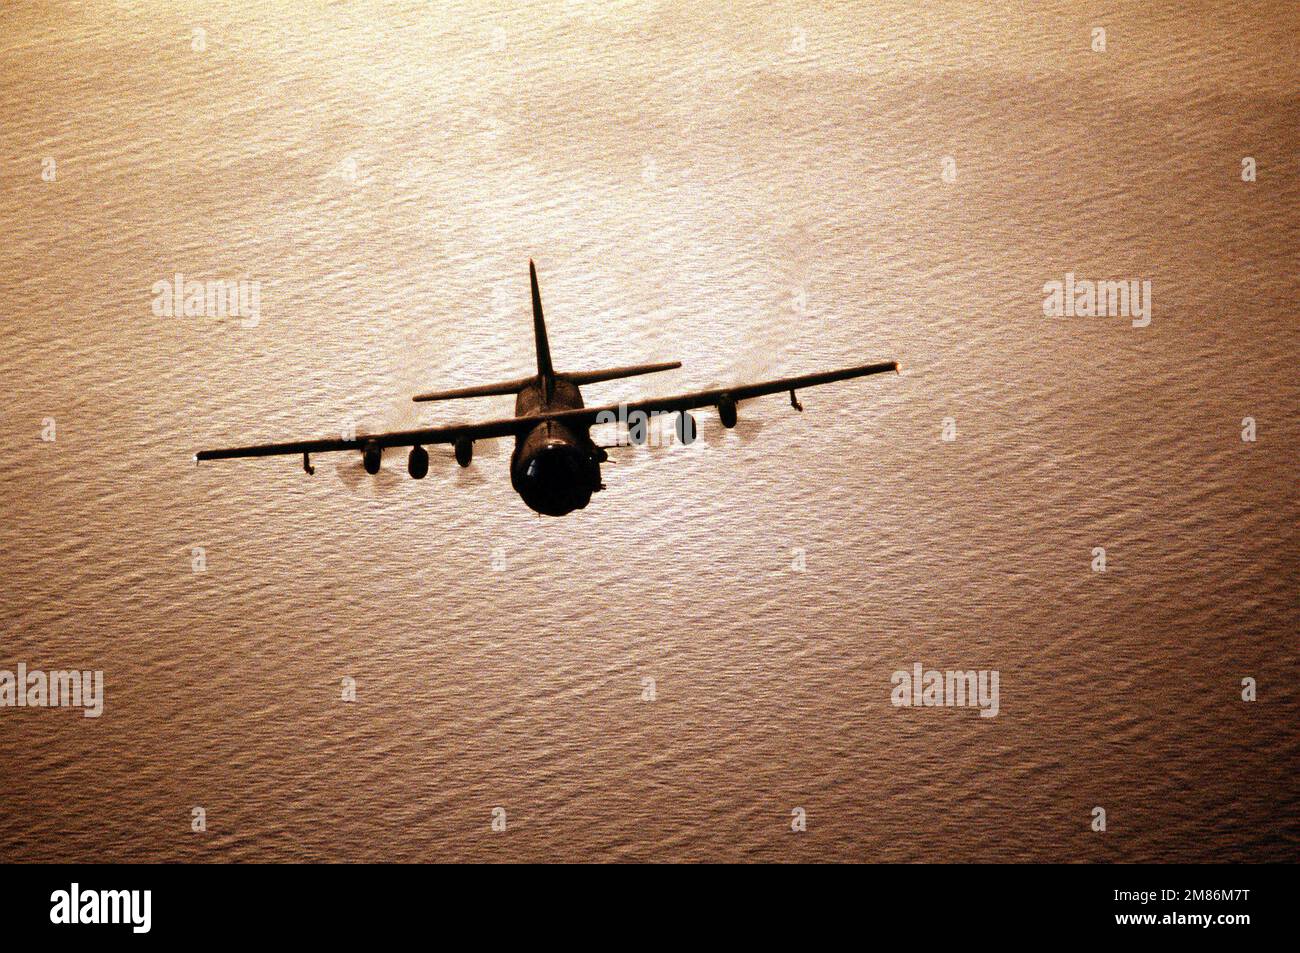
503, 427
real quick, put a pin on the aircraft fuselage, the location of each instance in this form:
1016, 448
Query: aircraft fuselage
554, 468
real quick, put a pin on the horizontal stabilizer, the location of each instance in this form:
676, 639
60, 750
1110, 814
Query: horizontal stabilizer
482, 390
614, 373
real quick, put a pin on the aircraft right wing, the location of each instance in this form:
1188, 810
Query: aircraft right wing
719, 396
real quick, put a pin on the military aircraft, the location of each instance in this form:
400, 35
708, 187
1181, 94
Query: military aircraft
555, 466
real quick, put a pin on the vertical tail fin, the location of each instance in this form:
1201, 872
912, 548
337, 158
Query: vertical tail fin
544, 369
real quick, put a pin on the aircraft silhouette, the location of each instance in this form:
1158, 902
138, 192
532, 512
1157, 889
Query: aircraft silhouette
555, 466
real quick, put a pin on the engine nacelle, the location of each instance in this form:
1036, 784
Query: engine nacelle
464, 451
371, 456
727, 412
417, 464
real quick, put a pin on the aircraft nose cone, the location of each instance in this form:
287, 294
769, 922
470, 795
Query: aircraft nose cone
555, 481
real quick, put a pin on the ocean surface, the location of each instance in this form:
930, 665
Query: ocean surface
704, 656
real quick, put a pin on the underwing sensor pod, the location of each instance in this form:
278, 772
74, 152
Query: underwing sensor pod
555, 466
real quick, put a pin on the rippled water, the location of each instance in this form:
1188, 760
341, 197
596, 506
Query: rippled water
752, 191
